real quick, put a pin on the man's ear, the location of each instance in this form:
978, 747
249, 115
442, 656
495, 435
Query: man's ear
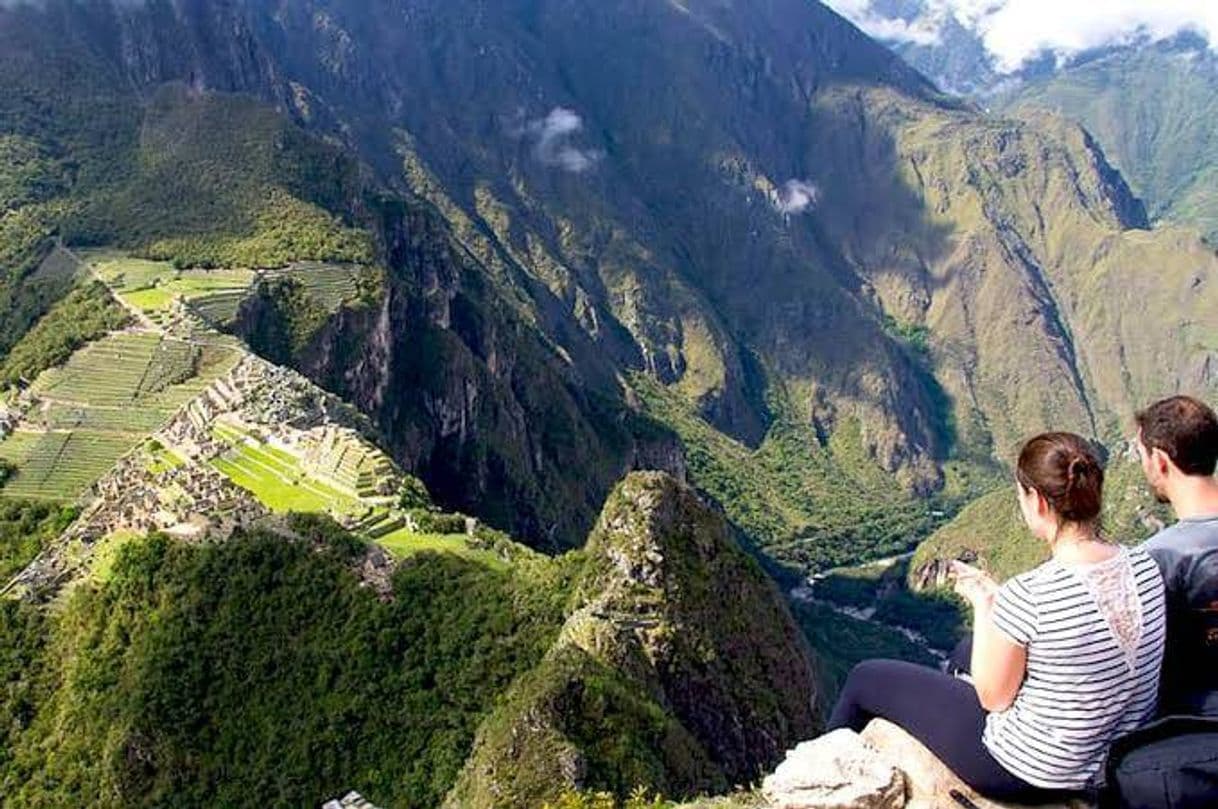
1160, 462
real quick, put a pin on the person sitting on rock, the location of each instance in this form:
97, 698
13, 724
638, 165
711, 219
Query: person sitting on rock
1065, 658
1178, 445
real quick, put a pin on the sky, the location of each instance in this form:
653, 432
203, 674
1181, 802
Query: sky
1015, 31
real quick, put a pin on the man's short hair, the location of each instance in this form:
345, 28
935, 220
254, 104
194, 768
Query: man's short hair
1186, 430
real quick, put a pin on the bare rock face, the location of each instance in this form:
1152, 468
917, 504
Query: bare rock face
837, 771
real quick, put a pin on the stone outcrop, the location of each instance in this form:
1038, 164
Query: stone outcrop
836, 771
352, 800
882, 768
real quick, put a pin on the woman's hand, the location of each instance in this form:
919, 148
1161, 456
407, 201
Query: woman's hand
974, 585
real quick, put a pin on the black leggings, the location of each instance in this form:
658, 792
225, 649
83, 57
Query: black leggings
940, 711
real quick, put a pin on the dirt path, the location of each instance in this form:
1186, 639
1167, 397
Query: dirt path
146, 323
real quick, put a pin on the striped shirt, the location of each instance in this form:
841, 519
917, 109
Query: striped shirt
1094, 635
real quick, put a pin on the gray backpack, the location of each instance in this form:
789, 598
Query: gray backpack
1171, 763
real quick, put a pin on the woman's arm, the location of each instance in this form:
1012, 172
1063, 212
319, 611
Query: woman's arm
998, 664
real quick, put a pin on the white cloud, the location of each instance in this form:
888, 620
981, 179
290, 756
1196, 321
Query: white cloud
552, 141
1015, 31
795, 197
921, 31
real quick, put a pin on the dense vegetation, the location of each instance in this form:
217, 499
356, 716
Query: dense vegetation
807, 504
172, 682
281, 317
24, 527
87, 313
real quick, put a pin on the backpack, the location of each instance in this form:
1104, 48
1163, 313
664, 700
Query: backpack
1171, 763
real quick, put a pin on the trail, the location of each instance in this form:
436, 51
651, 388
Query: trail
146, 323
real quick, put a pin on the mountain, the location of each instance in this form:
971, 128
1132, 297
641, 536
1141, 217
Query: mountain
446, 274
169, 682
1147, 101
651, 683
1152, 108
750, 231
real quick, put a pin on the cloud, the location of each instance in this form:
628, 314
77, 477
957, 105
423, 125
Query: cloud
1014, 31
795, 197
552, 136
923, 30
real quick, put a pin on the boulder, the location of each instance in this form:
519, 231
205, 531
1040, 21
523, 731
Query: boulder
883, 768
929, 781
836, 771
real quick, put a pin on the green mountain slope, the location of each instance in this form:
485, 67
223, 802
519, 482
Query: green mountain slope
662, 652
1152, 107
652, 682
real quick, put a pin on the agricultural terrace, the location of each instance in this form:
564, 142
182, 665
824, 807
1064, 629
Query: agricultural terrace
153, 286
403, 544
101, 404
276, 477
331, 285
60, 465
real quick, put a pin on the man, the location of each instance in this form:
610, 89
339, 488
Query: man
1178, 446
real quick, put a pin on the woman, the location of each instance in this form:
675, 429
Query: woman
1065, 658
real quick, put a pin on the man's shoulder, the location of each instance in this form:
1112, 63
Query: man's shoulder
1184, 537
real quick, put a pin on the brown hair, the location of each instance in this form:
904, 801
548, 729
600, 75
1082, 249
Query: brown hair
1186, 430
1067, 472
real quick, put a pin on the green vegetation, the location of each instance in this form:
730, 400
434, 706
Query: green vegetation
27, 173
285, 229
161, 459
285, 316
100, 405
86, 314
331, 285
806, 505
276, 477
404, 544
841, 641
24, 528
682, 676
153, 286
605, 800
1153, 110
120, 371
169, 682
641, 800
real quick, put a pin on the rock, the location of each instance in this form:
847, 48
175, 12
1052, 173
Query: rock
352, 800
929, 781
836, 771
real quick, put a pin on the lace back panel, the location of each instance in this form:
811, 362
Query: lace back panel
1115, 590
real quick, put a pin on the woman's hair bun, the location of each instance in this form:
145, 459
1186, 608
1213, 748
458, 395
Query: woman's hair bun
1067, 472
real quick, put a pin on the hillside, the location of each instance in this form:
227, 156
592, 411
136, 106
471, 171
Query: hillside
652, 683
661, 629
1149, 102
1152, 108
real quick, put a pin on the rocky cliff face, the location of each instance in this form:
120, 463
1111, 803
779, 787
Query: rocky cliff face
679, 668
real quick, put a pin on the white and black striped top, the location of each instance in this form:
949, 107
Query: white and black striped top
1094, 635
